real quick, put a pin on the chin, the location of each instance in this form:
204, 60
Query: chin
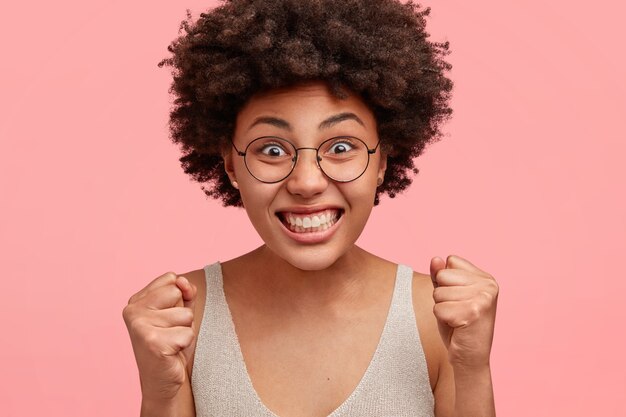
309, 260
310, 264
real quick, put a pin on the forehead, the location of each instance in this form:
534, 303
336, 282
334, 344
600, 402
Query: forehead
304, 103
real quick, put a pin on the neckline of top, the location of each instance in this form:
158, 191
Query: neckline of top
364, 378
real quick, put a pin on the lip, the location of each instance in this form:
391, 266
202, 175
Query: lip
309, 209
311, 237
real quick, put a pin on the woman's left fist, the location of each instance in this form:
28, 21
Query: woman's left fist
465, 308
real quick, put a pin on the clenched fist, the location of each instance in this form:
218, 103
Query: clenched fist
465, 308
159, 319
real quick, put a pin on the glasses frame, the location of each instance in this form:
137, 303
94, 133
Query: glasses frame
294, 160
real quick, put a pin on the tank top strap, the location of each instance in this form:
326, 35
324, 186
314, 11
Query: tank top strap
219, 379
396, 382
404, 315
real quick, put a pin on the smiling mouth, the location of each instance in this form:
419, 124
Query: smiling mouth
310, 222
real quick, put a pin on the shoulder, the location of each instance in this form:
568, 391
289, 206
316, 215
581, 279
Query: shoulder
198, 278
423, 303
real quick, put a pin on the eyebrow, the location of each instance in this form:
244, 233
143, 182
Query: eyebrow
338, 118
326, 124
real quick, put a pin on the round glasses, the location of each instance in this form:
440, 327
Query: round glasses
271, 159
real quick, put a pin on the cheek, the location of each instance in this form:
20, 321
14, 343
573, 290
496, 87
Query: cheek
257, 198
240, 170
360, 196
252, 196
367, 186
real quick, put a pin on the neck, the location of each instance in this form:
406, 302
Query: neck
330, 289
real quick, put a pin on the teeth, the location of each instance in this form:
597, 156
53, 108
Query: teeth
318, 222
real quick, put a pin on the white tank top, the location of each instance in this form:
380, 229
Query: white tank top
396, 382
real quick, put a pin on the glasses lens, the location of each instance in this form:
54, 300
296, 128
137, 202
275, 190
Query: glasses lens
343, 158
270, 159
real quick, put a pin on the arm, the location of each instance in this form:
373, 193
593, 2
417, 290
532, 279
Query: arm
182, 405
465, 307
464, 392
473, 393
160, 323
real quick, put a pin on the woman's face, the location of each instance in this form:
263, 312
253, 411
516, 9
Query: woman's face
307, 219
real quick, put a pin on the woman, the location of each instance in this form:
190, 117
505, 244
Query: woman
304, 113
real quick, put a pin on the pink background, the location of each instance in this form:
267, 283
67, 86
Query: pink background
525, 185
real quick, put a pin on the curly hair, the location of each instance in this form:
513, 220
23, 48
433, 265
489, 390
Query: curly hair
375, 48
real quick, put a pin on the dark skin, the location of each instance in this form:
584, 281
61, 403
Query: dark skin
377, 48
333, 295
341, 328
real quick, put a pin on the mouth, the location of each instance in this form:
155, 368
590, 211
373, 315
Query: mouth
303, 223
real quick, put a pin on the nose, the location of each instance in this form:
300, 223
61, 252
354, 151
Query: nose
307, 179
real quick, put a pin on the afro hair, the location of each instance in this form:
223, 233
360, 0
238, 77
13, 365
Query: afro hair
378, 49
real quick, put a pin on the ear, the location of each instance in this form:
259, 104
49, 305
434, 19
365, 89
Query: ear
382, 165
229, 166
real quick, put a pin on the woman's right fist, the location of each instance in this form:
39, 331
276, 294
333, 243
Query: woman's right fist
159, 319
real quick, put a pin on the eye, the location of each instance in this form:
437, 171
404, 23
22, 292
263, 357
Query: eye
340, 147
273, 150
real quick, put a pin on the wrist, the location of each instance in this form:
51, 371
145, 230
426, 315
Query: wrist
473, 391
464, 367
158, 392
466, 375
157, 407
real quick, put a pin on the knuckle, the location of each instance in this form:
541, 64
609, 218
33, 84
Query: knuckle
152, 338
134, 325
436, 310
487, 296
128, 312
185, 337
188, 332
456, 322
177, 292
491, 291
170, 274
495, 286
440, 277
187, 315
475, 311
189, 335
174, 291
169, 277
